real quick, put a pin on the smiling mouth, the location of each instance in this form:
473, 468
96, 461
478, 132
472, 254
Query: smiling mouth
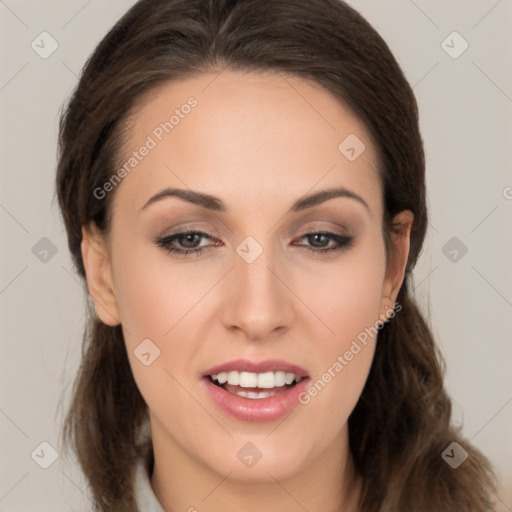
255, 386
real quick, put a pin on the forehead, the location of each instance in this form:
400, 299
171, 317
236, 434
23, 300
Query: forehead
268, 135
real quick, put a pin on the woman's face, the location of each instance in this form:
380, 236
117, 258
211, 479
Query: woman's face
260, 300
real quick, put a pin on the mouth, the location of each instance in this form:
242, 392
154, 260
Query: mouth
250, 391
255, 386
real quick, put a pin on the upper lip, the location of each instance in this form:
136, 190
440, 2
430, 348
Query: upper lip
269, 365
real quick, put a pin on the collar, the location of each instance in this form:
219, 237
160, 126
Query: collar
145, 498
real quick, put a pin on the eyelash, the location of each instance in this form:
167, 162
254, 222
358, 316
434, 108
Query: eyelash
343, 242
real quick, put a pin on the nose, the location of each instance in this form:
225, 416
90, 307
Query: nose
259, 302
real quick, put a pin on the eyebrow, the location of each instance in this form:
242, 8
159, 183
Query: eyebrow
215, 204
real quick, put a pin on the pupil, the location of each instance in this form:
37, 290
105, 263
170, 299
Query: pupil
189, 238
316, 238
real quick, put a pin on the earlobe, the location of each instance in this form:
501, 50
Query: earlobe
398, 256
98, 274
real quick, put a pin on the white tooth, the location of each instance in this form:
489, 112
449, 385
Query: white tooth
248, 380
253, 395
234, 378
279, 379
266, 380
288, 378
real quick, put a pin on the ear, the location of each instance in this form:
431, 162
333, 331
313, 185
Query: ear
99, 275
397, 261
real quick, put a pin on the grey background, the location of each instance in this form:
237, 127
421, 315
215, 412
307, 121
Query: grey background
465, 107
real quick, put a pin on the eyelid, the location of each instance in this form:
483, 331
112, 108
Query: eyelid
323, 225
183, 232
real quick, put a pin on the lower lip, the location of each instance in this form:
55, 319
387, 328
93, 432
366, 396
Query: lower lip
256, 410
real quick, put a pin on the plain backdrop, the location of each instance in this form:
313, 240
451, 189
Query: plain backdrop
463, 281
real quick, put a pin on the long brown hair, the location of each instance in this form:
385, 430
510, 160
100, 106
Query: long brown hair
401, 424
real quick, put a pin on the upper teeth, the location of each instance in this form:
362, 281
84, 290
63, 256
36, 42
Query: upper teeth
256, 380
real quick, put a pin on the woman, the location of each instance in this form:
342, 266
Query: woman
242, 184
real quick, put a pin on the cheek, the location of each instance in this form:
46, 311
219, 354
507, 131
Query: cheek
156, 299
153, 298
346, 295
347, 298
152, 292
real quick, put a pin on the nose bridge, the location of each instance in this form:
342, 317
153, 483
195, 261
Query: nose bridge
252, 268
259, 303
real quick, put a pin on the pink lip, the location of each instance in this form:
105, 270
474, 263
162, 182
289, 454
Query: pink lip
269, 365
256, 410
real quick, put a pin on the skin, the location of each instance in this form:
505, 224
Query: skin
258, 141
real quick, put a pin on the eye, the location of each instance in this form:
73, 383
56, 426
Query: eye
188, 241
319, 241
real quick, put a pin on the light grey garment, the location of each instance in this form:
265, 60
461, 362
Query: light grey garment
144, 496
